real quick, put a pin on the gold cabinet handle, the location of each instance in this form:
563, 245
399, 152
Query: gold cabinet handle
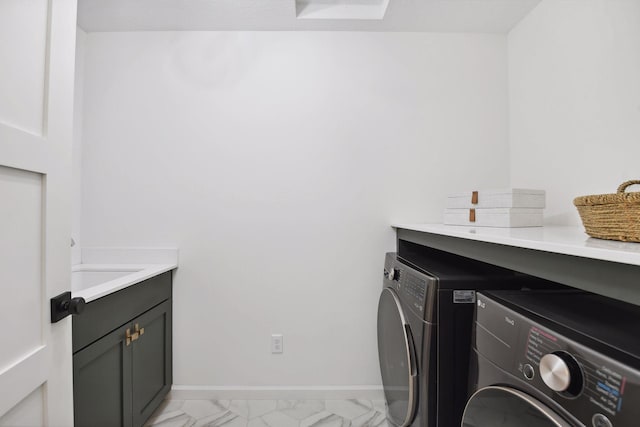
139, 330
131, 337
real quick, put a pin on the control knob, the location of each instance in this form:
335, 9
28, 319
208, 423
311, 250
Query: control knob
561, 373
394, 274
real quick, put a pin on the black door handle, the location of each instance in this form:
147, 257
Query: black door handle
63, 305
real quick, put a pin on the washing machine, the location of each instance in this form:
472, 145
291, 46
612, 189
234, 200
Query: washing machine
554, 360
425, 317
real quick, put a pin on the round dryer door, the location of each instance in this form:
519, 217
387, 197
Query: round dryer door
397, 360
506, 407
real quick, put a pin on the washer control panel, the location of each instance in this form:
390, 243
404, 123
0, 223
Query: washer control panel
596, 389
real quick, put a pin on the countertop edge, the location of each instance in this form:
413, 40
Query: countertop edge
104, 289
566, 240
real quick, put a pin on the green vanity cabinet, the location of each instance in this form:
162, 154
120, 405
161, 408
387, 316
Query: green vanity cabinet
151, 362
102, 383
121, 376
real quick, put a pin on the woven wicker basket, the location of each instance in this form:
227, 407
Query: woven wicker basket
612, 216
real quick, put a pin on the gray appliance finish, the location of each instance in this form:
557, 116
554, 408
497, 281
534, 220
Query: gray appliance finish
425, 316
554, 360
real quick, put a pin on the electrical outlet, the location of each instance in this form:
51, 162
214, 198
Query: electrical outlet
276, 343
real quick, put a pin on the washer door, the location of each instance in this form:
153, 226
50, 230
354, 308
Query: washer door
397, 360
506, 407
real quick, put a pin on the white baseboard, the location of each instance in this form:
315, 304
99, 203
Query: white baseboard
188, 392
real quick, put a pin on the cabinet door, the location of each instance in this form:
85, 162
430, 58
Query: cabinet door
151, 361
102, 382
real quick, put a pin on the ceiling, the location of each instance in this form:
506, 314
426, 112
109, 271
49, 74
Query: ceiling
489, 16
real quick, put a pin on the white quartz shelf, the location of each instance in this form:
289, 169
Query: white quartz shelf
120, 276
555, 239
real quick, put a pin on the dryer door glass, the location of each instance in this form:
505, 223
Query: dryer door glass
397, 359
505, 407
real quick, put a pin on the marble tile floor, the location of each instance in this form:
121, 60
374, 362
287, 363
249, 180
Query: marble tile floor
270, 413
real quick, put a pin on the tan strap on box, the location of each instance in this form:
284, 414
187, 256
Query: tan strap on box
472, 215
474, 198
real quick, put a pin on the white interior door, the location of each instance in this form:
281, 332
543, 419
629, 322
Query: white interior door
37, 43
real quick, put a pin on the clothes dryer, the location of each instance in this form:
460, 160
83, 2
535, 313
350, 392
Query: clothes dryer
425, 316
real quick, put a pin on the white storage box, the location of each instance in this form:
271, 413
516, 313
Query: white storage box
494, 217
505, 198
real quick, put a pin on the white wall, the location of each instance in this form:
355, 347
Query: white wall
574, 95
76, 172
276, 162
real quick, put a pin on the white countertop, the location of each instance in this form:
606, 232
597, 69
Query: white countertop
107, 270
132, 274
567, 240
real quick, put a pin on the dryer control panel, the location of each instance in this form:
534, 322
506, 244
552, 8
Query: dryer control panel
414, 288
596, 388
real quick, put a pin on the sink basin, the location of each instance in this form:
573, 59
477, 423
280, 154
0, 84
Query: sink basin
84, 279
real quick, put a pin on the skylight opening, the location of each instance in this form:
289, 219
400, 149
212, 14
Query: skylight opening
341, 9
